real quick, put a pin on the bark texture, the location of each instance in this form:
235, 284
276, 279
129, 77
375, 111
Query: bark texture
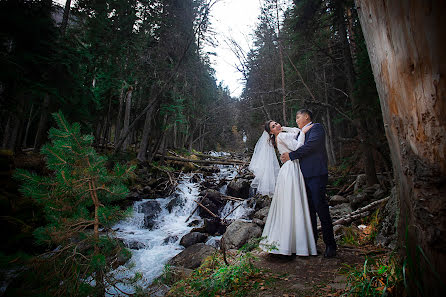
407, 45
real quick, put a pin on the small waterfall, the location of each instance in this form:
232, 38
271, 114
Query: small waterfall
152, 249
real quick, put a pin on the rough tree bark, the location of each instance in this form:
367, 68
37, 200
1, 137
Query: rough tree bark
407, 45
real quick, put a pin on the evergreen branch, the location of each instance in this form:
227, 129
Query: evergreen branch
54, 154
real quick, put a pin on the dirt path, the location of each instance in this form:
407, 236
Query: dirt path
307, 276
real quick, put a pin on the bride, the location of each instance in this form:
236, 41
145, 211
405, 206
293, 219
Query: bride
288, 228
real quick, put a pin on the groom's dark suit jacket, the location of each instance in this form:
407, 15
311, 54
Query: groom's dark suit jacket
313, 154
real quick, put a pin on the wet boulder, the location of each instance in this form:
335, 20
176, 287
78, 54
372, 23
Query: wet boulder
239, 187
212, 201
193, 238
193, 256
175, 201
150, 209
134, 245
262, 213
239, 233
212, 227
170, 239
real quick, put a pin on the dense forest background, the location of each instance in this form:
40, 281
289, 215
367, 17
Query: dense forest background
137, 76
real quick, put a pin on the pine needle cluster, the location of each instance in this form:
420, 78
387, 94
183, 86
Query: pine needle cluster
80, 205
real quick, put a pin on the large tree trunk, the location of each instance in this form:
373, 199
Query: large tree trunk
142, 154
407, 45
66, 15
369, 162
42, 127
128, 105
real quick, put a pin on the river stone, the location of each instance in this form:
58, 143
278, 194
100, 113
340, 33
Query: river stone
194, 223
239, 233
212, 201
174, 202
150, 209
134, 245
262, 213
239, 187
170, 239
340, 211
193, 238
193, 256
337, 199
211, 226
258, 222
262, 201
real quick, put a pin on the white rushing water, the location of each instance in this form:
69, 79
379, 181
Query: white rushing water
157, 246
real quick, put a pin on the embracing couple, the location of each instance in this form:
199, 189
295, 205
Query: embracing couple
298, 187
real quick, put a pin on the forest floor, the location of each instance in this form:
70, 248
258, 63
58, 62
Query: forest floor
309, 276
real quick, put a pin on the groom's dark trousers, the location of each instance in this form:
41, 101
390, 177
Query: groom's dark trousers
313, 164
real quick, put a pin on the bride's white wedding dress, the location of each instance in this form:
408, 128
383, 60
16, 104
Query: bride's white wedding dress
288, 225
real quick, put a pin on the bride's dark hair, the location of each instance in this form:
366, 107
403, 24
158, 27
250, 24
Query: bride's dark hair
272, 137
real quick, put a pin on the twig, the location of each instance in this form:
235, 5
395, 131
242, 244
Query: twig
205, 208
232, 210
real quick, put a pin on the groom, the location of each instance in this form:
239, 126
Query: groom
313, 164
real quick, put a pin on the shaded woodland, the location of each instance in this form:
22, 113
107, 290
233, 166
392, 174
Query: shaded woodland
136, 75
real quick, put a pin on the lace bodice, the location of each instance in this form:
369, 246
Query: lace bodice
287, 142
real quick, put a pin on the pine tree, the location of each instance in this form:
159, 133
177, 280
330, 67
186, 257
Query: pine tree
79, 200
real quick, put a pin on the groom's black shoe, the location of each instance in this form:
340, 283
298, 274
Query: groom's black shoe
330, 252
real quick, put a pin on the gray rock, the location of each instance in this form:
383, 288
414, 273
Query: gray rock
211, 226
174, 202
193, 238
170, 239
212, 201
361, 181
262, 201
239, 187
239, 233
134, 245
262, 213
150, 209
359, 200
193, 256
340, 210
258, 222
337, 199
194, 223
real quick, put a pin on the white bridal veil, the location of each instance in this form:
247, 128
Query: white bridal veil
265, 166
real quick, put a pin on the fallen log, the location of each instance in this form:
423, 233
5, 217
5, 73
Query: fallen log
195, 209
207, 209
231, 198
228, 162
359, 213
